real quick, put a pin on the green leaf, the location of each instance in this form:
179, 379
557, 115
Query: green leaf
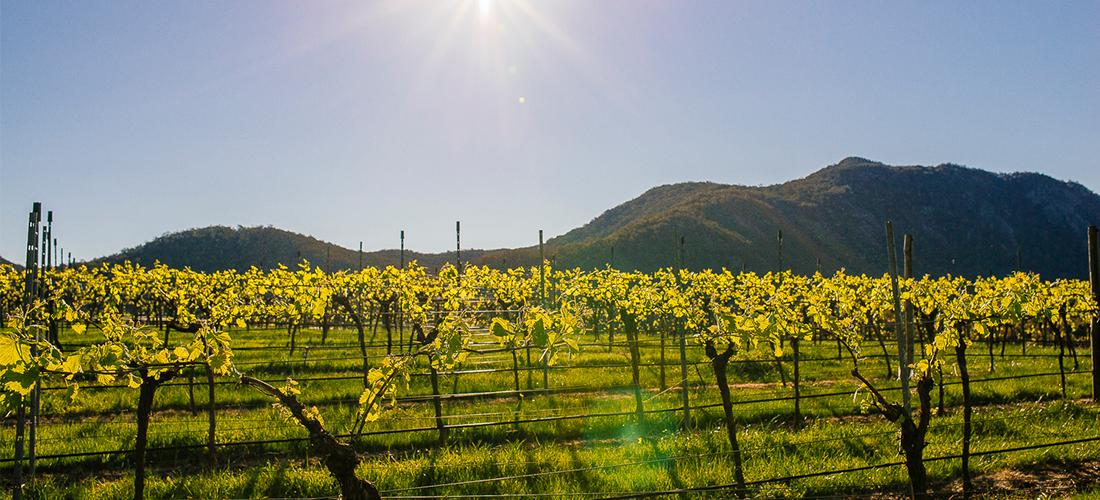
71, 392
318, 309
538, 334
502, 328
20, 379
12, 351
72, 364
219, 362
454, 343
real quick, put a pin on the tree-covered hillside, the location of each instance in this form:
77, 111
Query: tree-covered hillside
965, 222
218, 248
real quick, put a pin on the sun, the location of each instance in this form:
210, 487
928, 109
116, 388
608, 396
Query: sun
481, 68
497, 42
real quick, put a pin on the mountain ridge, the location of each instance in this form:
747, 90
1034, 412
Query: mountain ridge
965, 222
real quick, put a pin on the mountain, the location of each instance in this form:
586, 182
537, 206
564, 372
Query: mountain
964, 222
218, 248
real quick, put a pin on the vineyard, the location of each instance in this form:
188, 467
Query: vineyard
131, 382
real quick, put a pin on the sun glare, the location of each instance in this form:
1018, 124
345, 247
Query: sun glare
480, 62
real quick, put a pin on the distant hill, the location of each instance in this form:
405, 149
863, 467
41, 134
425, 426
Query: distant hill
965, 222
4, 261
218, 248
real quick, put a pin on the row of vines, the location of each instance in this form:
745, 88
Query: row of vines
159, 322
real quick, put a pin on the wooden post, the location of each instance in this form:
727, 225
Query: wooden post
964, 376
680, 253
940, 407
458, 251
527, 345
907, 256
211, 453
542, 277
438, 405
553, 284
191, 390
30, 292
400, 310
612, 313
325, 317
664, 333
780, 251
682, 338
52, 336
903, 365
542, 304
989, 339
630, 327
36, 394
797, 394
1094, 280
1060, 336
40, 292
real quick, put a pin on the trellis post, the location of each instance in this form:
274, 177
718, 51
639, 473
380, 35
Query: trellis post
899, 334
681, 335
1094, 280
458, 251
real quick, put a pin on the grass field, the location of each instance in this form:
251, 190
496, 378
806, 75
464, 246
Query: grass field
576, 435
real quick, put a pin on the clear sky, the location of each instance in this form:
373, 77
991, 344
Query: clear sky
351, 121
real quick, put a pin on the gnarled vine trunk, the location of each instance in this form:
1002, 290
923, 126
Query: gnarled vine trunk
149, 385
912, 433
719, 361
340, 458
630, 327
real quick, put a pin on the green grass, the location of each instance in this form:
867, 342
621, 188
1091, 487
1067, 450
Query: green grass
658, 460
596, 454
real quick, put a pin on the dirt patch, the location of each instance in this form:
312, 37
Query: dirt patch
1046, 480
1059, 480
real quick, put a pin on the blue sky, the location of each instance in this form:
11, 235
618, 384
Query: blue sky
351, 121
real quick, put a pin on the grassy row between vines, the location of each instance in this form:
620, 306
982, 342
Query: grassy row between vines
595, 454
